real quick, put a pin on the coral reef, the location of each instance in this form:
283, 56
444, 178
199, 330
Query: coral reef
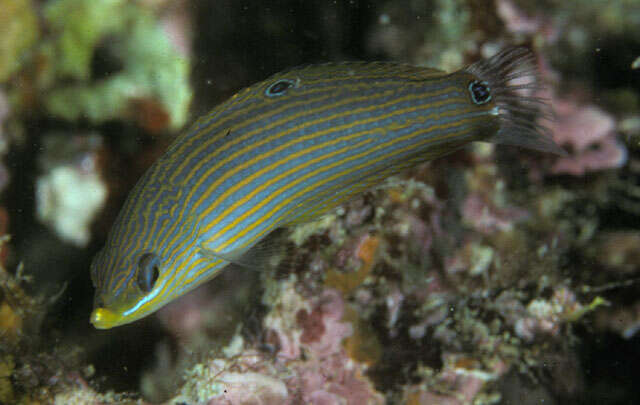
488, 276
151, 80
309, 363
589, 133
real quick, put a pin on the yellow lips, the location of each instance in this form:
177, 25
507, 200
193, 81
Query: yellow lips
102, 318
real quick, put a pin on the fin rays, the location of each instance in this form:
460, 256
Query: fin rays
514, 81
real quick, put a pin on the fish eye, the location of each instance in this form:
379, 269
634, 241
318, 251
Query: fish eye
480, 92
279, 88
148, 271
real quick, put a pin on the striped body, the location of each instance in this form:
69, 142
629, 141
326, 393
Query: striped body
260, 161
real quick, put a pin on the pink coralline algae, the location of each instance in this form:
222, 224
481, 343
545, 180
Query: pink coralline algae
486, 208
328, 375
310, 364
484, 216
517, 22
589, 134
586, 130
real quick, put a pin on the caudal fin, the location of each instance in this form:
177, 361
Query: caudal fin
515, 85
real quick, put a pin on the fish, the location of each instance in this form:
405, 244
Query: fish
289, 149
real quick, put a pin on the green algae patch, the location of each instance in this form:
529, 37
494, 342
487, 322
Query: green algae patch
151, 75
79, 26
18, 32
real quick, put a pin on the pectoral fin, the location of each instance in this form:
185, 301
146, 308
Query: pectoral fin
234, 256
256, 257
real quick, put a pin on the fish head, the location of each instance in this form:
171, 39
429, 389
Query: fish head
150, 258
127, 286
130, 287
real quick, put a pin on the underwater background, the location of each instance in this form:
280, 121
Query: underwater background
494, 275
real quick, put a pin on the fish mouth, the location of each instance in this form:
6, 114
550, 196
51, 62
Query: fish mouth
102, 318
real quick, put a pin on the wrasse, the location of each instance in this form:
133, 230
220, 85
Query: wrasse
287, 150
